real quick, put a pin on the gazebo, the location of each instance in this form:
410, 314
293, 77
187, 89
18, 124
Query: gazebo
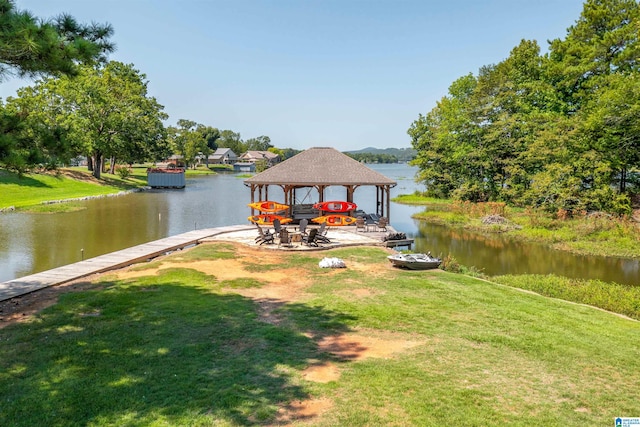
319, 168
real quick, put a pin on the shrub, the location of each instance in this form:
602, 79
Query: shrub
479, 209
450, 264
123, 172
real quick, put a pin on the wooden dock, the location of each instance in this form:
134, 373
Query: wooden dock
110, 261
399, 243
141, 253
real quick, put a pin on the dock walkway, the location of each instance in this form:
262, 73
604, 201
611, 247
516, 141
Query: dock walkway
110, 261
346, 236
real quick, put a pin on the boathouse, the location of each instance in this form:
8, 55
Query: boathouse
319, 168
166, 178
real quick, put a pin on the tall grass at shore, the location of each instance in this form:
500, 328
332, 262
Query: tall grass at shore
598, 233
614, 297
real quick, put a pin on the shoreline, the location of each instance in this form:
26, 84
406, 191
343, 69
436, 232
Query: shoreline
75, 199
579, 235
244, 234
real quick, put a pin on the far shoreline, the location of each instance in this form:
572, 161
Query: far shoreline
597, 234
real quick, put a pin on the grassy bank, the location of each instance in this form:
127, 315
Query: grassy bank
219, 335
614, 297
31, 190
595, 234
34, 189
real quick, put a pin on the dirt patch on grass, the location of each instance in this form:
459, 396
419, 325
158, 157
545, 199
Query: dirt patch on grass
364, 293
353, 347
376, 270
359, 347
284, 284
24, 307
78, 176
221, 269
300, 410
322, 373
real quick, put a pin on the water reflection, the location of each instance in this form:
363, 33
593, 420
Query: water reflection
35, 242
496, 254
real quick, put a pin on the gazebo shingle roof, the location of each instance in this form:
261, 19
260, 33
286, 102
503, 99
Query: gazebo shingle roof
320, 166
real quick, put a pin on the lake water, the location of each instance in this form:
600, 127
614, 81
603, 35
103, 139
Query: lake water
30, 243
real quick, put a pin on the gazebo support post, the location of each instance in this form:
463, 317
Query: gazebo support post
350, 190
388, 191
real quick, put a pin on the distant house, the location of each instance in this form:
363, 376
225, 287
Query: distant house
258, 156
79, 161
176, 160
223, 156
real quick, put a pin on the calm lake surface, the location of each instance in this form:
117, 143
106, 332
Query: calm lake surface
30, 243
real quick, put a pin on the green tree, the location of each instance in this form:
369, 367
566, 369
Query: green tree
277, 151
106, 113
612, 123
604, 40
595, 68
287, 153
40, 135
13, 152
445, 139
515, 101
373, 157
192, 140
189, 141
232, 140
33, 47
553, 131
261, 143
210, 135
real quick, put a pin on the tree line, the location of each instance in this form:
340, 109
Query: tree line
373, 157
559, 131
82, 104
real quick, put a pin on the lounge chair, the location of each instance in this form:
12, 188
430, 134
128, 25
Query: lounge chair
302, 227
360, 224
312, 238
322, 234
382, 223
277, 227
264, 237
285, 238
373, 218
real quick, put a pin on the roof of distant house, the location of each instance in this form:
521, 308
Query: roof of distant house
260, 154
222, 151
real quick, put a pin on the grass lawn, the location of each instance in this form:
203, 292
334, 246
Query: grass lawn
228, 335
33, 189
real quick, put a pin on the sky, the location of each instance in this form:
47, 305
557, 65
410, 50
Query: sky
347, 74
